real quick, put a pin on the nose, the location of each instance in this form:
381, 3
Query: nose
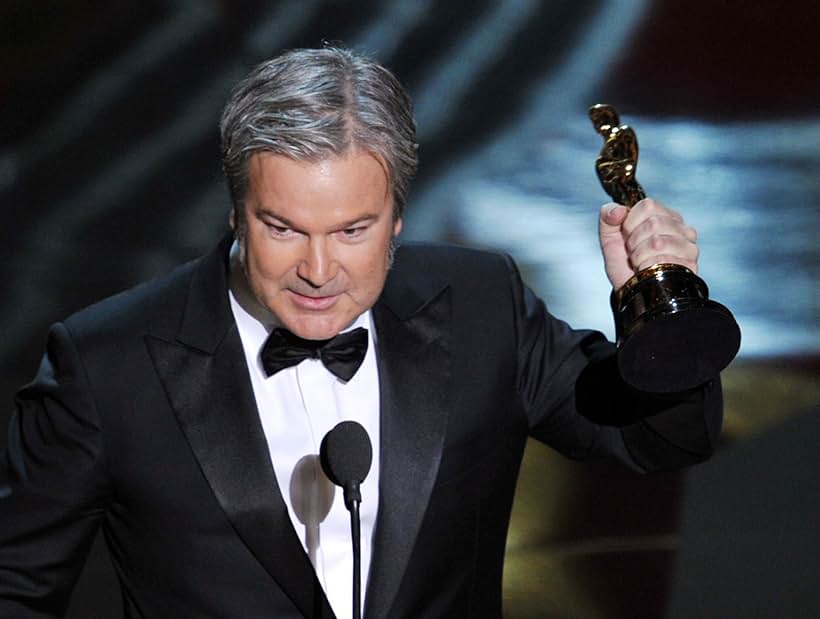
318, 266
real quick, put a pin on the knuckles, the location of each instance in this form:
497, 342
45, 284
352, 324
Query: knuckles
659, 243
653, 233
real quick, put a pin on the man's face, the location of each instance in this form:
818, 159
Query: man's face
317, 238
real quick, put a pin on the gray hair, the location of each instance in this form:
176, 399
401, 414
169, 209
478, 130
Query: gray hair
309, 104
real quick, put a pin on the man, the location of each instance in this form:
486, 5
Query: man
159, 416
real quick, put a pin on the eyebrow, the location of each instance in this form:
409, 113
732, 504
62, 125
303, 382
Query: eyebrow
367, 218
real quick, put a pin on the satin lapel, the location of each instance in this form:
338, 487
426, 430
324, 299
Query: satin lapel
207, 382
414, 374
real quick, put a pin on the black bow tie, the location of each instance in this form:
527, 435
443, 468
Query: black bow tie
341, 355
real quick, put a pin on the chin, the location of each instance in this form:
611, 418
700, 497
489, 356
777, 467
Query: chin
313, 329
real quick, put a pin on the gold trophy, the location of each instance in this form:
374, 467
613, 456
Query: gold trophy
670, 335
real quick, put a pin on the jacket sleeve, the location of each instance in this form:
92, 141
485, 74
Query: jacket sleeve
577, 402
52, 486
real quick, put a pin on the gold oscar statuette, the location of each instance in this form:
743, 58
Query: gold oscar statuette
670, 335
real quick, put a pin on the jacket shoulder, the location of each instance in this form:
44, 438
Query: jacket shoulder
137, 309
474, 277
445, 260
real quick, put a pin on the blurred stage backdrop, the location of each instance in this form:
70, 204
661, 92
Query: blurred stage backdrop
109, 174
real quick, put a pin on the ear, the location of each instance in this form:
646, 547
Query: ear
232, 219
397, 226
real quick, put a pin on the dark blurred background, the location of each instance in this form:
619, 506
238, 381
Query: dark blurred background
110, 174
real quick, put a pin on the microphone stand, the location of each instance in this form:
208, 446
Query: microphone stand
353, 497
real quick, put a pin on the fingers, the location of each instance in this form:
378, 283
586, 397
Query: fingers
654, 233
664, 248
649, 209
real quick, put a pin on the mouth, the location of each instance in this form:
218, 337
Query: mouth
313, 303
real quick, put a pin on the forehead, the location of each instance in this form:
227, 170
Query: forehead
348, 184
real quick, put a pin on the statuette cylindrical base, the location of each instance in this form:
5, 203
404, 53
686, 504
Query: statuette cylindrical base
671, 337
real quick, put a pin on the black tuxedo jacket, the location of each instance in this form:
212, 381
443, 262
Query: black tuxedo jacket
142, 421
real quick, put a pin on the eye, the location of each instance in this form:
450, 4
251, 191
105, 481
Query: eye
353, 233
279, 231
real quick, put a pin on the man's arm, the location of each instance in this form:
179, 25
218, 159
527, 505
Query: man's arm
569, 380
577, 402
660, 431
673, 429
52, 486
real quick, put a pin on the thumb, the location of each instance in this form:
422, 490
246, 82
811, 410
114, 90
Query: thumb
611, 217
613, 246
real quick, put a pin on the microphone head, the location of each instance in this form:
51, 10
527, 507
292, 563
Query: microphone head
346, 453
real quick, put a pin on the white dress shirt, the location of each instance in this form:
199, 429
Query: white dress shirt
297, 407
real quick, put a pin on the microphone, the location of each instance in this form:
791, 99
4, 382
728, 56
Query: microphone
346, 454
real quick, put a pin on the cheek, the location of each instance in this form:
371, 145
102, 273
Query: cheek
265, 266
370, 272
